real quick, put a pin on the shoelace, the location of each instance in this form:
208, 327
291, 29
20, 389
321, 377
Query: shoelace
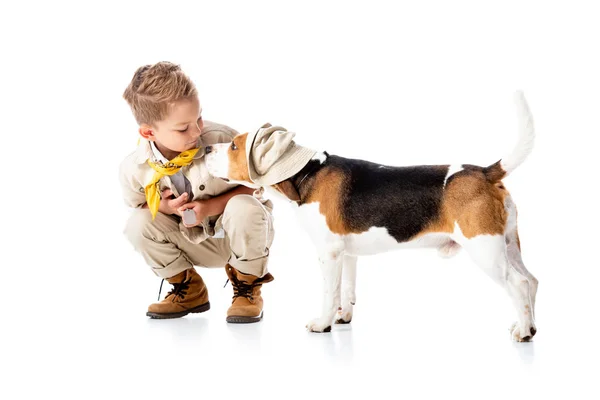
242, 289
160, 289
179, 289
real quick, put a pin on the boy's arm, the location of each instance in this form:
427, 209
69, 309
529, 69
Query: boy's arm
133, 193
215, 205
168, 204
222, 200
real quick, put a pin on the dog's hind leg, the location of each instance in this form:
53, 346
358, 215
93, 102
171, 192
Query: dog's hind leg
344, 314
513, 250
490, 252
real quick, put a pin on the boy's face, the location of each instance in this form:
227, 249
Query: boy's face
179, 131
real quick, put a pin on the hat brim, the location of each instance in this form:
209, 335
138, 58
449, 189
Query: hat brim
288, 165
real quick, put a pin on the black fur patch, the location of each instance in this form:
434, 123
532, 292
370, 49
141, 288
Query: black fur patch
402, 199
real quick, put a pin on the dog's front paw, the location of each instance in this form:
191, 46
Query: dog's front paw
520, 334
319, 325
344, 315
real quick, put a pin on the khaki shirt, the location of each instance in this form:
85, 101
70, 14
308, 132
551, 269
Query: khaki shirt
135, 174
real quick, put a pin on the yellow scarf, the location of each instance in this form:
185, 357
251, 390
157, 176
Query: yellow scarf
171, 168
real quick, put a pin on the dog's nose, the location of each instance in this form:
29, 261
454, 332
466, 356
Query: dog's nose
207, 149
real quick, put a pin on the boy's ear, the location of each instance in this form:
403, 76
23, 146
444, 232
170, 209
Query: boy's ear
146, 132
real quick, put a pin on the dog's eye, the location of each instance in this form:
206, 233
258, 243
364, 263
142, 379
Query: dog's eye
233, 146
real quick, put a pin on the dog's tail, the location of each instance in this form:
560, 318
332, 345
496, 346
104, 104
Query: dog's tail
511, 161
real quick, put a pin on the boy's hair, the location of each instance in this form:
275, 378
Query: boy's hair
154, 87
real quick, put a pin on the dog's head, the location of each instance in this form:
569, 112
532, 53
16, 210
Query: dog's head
268, 157
228, 161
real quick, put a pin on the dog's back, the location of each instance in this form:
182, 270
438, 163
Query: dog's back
408, 202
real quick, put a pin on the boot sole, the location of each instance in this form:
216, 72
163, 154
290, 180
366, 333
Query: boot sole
234, 319
198, 309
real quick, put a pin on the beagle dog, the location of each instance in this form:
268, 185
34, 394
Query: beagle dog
354, 207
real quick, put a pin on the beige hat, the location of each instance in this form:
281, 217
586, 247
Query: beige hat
273, 156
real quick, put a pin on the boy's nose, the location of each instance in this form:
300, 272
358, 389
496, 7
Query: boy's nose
207, 149
197, 132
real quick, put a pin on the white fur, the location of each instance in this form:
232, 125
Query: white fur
497, 255
526, 136
500, 258
454, 168
378, 240
374, 241
449, 249
345, 312
337, 257
320, 156
217, 163
330, 247
514, 253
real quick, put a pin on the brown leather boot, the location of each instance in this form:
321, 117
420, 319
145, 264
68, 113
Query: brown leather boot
247, 303
189, 295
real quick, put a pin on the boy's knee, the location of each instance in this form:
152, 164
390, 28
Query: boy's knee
136, 225
140, 226
244, 207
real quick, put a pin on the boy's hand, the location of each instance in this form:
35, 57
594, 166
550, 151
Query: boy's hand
169, 205
202, 209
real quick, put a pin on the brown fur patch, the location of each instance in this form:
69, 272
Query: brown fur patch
475, 203
287, 189
494, 172
472, 200
238, 164
329, 189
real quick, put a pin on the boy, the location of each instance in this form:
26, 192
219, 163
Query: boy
228, 224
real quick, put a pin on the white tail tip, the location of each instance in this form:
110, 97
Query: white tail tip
526, 135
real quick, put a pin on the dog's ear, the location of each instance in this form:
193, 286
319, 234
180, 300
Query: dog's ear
288, 190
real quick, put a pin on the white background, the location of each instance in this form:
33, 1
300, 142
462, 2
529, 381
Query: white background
413, 83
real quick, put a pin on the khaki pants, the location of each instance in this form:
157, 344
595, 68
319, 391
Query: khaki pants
248, 227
